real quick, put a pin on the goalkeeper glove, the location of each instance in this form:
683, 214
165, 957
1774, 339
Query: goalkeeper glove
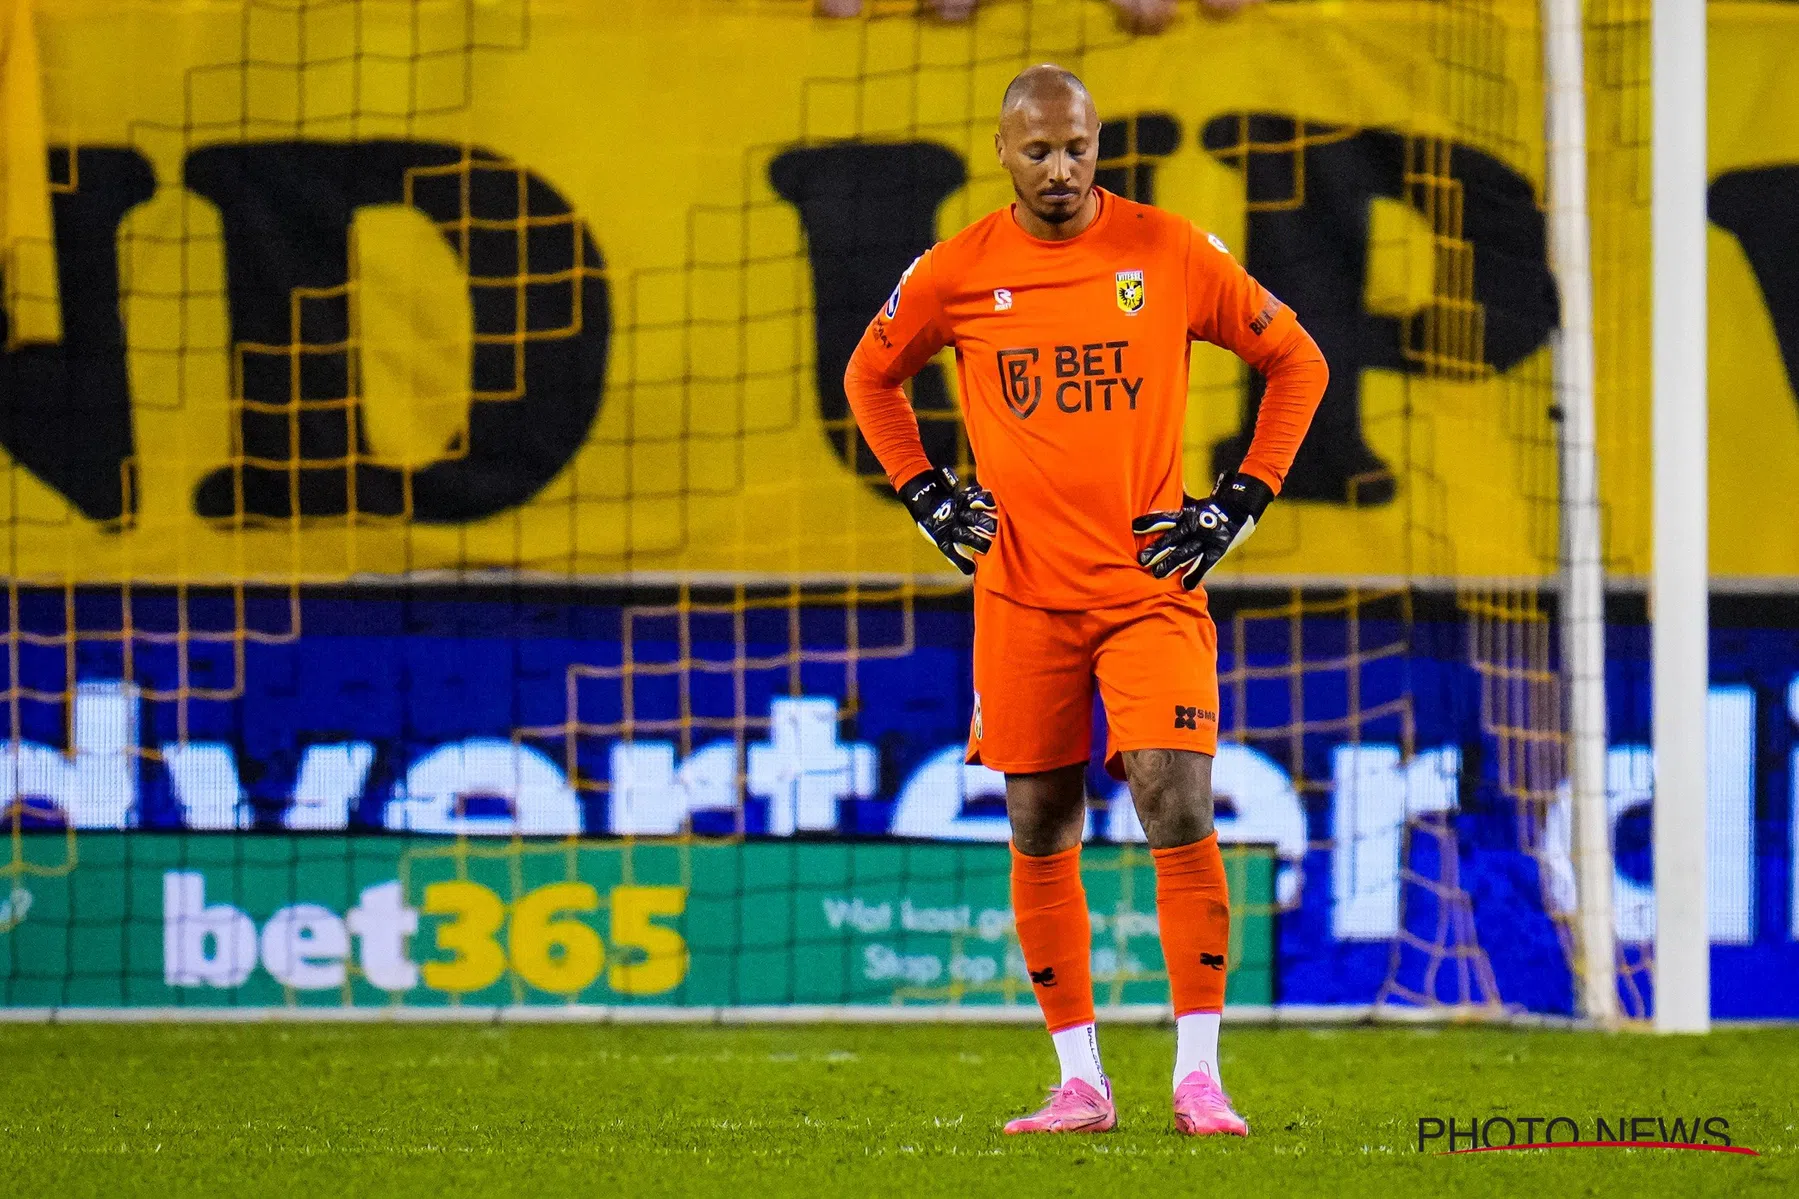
953, 516
1194, 539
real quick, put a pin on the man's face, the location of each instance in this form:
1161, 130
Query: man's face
1050, 147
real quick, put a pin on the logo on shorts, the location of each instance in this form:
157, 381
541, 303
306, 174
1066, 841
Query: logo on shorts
1002, 299
1214, 960
1045, 977
1130, 292
976, 722
1189, 718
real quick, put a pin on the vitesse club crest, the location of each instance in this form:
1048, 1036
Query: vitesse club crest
1130, 292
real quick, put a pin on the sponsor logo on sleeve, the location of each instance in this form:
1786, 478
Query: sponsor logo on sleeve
1264, 318
891, 309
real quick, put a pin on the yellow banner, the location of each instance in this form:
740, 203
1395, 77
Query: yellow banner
564, 288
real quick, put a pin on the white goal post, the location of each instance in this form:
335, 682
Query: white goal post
1583, 567
1679, 613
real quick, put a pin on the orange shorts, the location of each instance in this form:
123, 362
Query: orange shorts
1155, 663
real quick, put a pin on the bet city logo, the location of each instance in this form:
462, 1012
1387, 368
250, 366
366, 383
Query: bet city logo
1445, 1135
1084, 372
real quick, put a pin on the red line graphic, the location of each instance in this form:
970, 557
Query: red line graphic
1743, 1149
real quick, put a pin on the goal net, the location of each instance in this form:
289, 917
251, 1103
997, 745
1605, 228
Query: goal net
442, 571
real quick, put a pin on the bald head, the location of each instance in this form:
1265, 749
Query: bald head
1048, 141
1044, 83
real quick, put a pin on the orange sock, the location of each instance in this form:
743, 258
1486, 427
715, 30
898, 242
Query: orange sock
1050, 908
1193, 905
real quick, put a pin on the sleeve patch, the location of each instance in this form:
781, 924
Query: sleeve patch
1217, 244
1264, 318
891, 309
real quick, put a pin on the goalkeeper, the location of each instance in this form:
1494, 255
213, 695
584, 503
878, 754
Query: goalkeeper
1072, 312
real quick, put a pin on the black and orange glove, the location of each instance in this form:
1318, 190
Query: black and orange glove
954, 516
1197, 537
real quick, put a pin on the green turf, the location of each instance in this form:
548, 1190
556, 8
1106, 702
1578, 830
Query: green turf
823, 1111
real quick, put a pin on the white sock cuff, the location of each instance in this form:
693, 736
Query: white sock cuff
1196, 1045
1077, 1049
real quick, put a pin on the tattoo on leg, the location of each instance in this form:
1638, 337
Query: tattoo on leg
1172, 790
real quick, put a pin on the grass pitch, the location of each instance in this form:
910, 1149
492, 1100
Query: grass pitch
823, 1111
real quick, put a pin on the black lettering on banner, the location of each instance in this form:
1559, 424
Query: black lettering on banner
1760, 208
1719, 1135
1604, 1133
869, 210
1307, 242
286, 209
1530, 1128
1128, 150
1062, 388
1643, 1128
1067, 362
1486, 1131
65, 409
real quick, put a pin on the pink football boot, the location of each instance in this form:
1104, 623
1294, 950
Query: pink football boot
1201, 1108
1073, 1107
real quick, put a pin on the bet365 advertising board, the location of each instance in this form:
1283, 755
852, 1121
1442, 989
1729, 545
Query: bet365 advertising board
122, 920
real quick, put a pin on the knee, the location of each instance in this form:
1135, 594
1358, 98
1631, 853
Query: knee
1156, 778
1046, 810
1173, 795
1038, 832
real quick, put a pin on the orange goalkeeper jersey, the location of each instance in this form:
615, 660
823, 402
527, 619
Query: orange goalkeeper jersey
1072, 358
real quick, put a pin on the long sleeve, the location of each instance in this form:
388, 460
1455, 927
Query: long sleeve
901, 338
1230, 309
1296, 377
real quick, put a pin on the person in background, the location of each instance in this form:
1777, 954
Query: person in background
1137, 16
